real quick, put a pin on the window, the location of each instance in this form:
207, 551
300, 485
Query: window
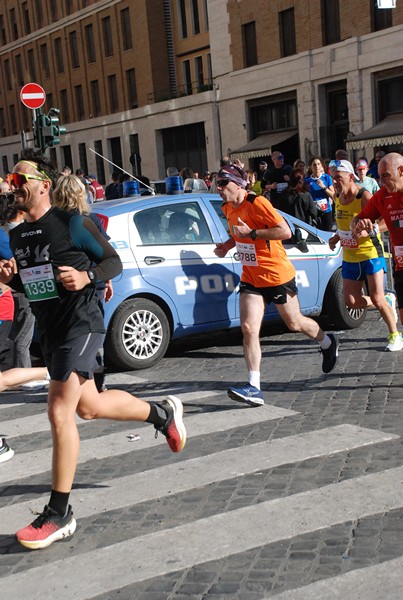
205, 14
176, 224
126, 29
64, 106
3, 131
131, 88
288, 45
95, 98
13, 23
182, 19
107, 35
249, 44
49, 100
381, 18
18, 69
113, 94
187, 77
199, 73
38, 4
3, 36
31, 64
82, 157
75, 59
27, 22
99, 161
59, 55
7, 73
89, 38
68, 6
274, 116
13, 120
194, 5
5, 160
54, 11
78, 91
390, 96
45, 60
330, 22
67, 156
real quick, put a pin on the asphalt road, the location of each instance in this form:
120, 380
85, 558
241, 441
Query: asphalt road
301, 498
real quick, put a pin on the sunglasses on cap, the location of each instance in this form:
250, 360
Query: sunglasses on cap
222, 182
279, 157
18, 179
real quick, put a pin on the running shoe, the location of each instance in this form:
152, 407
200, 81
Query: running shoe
249, 394
5, 451
173, 428
390, 298
395, 342
47, 528
34, 386
330, 354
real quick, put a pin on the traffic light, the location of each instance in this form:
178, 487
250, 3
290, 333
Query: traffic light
51, 129
47, 130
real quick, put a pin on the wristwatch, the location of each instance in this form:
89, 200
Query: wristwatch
253, 234
91, 276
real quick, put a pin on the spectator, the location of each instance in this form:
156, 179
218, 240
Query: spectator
96, 189
373, 166
369, 183
341, 154
253, 184
261, 169
299, 164
112, 189
275, 179
320, 186
207, 178
297, 201
224, 161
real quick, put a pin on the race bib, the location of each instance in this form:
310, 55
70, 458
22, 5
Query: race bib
398, 253
321, 204
347, 240
39, 283
247, 254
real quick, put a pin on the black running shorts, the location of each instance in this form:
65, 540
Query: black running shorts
276, 294
79, 355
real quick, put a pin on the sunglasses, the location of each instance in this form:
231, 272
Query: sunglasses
222, 182
18, 179
279, 157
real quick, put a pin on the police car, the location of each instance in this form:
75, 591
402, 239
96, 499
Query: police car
173, 285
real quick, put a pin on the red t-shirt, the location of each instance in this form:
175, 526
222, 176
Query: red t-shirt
264, 262
6, 306
390, 207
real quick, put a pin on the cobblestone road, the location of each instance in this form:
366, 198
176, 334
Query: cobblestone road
301, 498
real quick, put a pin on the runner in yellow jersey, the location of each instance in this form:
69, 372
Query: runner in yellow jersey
363, 255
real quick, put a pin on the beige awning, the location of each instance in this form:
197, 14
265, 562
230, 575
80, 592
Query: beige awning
262, 145
385, 133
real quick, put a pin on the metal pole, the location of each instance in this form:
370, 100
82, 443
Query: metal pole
120, 168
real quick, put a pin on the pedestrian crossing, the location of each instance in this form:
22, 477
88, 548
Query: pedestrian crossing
177, 543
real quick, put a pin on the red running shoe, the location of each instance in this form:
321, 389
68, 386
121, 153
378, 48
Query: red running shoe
173, 428
47, 528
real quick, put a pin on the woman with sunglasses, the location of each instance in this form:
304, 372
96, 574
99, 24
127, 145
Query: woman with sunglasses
322, 191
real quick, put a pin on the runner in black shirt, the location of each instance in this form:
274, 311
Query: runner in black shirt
54, 251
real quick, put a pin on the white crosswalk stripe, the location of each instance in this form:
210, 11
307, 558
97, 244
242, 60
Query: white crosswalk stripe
165, 551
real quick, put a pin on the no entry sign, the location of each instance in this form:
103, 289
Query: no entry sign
33, 95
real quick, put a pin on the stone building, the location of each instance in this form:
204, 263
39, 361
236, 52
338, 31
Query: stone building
150, 84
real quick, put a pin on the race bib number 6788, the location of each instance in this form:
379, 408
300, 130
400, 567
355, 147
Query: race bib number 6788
39, 283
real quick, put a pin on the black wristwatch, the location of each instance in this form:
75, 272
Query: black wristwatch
253, 234
91, 276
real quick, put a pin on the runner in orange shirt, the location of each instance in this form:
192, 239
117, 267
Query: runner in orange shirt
257, 230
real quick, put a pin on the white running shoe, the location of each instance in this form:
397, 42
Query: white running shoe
390, 298
34, 386
395, 342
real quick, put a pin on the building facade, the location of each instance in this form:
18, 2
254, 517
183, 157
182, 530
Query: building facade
149, 84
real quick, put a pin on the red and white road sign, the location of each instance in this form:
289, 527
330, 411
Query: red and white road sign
33, 95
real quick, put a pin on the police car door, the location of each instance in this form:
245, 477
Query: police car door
174, 249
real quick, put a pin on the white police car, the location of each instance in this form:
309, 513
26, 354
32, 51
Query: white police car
173, 285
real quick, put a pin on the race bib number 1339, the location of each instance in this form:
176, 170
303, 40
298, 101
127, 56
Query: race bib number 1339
39, 283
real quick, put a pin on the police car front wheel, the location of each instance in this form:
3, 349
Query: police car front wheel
138, 335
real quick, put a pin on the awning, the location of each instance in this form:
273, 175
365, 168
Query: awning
262, 144
385, 133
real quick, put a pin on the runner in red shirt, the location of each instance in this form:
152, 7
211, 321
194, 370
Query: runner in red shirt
257, 230
387, 203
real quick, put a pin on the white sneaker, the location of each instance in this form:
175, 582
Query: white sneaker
34, 386
395, 342
390, 298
